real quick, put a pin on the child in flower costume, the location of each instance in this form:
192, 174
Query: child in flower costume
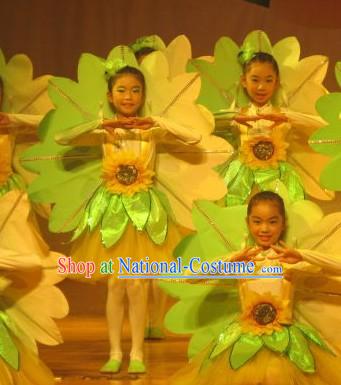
29, 302
23, 102
267, 330
272, 111
133, 177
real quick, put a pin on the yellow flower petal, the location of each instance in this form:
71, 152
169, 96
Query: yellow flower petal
125, 173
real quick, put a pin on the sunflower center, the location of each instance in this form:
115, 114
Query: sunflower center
263, 150
126, 174
264, 313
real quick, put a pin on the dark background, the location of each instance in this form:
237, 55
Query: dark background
55, 32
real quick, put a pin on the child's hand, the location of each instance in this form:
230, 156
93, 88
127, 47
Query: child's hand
244, 119
277, 118
287, 254
246, 255
144, 123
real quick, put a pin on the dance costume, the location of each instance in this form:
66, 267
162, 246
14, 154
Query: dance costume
262, 331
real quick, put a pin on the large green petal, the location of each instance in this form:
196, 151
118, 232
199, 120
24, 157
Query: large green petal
138, 208
299, 352
226, 338
203, 337
219, 236
219, 79
115, 220
157, 220
202, 308
278, 341
244, 349
258, 41
329, 175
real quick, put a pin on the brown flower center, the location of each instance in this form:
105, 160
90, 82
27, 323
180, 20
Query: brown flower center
264, 313
263, 150
126, 174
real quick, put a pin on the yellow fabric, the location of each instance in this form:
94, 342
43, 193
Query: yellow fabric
266, 368
32, 370
133, 243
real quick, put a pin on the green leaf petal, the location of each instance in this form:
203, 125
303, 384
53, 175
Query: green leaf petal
8, 350
157, 220
299, 352
312, 334
226, 338
138, 208
244, 349
97, 207
114, 222
278, 341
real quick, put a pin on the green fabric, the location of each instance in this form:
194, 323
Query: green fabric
157, 221
240, 187
278, 341
240, 178
299, 352
244, 349
226, 338
8, 350
114, 222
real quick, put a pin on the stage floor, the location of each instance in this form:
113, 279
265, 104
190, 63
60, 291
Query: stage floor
85, 350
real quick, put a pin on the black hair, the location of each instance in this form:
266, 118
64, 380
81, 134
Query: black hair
267, 196
143, 52
124, 71
260, 57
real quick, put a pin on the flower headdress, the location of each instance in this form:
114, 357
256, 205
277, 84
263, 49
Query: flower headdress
152, 41
113, 66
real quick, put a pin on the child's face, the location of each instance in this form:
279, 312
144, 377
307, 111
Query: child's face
260, 82
127, 95
266, 223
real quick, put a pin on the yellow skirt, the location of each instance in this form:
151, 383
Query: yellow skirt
32, 370
134, 244
266, 368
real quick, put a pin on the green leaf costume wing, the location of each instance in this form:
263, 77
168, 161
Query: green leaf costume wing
327, 140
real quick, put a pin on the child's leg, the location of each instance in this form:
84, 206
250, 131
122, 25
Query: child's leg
157, 310
136, 291
115, 313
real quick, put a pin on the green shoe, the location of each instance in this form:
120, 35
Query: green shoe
147, 333
156, 334
136, 366
112, 366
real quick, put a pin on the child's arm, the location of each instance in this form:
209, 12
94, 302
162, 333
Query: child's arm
20, 124
185, 134
300, 120
327, 262
85, 134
